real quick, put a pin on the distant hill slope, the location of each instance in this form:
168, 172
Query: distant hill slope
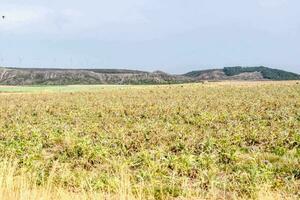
243, 73
267, 73
50, 76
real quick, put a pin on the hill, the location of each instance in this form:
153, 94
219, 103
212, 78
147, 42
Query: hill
243, 73
36, 76
52, 76
267, 73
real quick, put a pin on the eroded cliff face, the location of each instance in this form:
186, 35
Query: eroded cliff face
61, 77
220, 75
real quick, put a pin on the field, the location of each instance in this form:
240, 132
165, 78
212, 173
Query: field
231, 140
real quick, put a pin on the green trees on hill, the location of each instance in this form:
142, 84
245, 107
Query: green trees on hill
268, 73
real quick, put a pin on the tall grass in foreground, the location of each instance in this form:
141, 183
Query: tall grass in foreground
16, 185
20, 185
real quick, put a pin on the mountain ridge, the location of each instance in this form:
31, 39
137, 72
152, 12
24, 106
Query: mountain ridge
60, 76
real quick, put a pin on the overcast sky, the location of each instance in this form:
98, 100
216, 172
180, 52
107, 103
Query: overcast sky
170, 35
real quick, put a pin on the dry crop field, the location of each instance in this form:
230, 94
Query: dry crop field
233, 140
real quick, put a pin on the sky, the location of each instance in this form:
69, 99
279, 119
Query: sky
175, 36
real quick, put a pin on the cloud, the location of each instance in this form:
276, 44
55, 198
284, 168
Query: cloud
70, 18
36, 19
21, 17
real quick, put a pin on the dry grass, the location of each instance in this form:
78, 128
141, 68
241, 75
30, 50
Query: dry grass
212, 141
19, 186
